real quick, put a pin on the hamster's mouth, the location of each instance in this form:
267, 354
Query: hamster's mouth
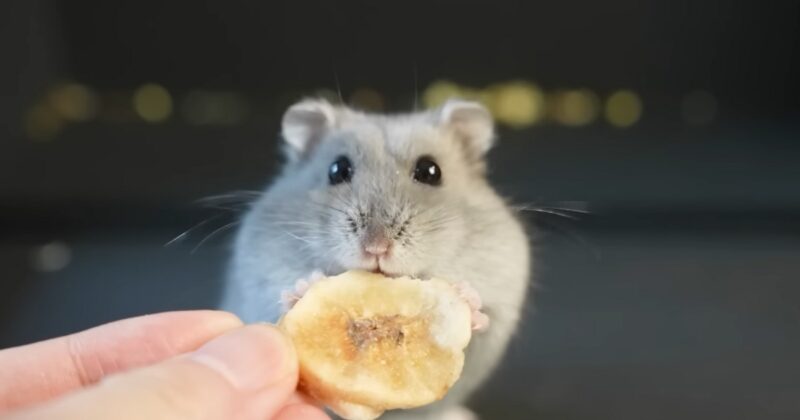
390, 274
378, 266
378, 270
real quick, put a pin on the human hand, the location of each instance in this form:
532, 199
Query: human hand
179, 365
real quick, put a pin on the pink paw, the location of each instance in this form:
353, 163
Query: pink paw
290, 297
480, 321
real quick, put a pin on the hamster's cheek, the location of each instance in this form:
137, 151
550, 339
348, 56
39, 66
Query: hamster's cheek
346, 256
406, 262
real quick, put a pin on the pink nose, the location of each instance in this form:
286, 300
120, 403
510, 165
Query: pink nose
378, 247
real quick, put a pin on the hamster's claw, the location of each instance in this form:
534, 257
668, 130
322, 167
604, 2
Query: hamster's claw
480, 321
290, 297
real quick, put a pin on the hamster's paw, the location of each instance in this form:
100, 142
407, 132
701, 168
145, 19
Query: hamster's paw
291, 296
459, 412
480, 321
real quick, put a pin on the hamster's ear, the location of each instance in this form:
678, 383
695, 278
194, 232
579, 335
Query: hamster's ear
305, 124
471, 123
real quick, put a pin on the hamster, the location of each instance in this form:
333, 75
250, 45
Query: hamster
401, 194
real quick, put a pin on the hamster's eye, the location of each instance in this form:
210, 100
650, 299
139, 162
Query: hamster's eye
341, 170
427, 171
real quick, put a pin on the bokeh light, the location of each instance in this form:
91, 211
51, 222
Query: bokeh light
367, 99
42, 123
201, 107
51, 257
117, 107
699, 108
439, 92
517, 104
328, 94
574, 107
623, 108
152, 103
73, 102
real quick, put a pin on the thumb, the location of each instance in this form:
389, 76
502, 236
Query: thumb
248, 373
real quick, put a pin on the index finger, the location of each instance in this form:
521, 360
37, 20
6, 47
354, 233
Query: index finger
40, 371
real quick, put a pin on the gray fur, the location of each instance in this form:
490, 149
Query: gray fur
461, 230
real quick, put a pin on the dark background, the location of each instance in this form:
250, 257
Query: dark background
676, 297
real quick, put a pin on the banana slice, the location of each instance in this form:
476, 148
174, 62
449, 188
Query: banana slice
367, 343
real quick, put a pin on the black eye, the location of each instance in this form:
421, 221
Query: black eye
427, 171
341, 170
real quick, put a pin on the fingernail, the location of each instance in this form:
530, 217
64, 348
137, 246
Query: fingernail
251, 358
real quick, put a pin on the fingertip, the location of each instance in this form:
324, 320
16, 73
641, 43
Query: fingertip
301, 411
277, 338
300, 397
222, 320
251, 358
204, 324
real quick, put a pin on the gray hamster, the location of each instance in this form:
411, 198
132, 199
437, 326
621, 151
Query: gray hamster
400, 194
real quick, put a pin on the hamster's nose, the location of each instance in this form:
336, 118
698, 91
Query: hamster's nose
378, 249
377, 244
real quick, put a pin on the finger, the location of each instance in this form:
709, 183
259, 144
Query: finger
301, 411
37, 372
301, 406
302, 398
248, 373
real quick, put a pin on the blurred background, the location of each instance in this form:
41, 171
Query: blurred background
675, 123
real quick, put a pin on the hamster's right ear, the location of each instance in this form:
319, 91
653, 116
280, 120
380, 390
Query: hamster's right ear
305, 124
472, 124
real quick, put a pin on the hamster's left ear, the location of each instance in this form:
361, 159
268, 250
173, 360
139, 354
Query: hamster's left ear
472, 125
306, 124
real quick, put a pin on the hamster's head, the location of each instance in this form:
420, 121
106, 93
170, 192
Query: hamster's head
397, 194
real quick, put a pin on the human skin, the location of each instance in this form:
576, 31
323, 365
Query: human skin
174, 365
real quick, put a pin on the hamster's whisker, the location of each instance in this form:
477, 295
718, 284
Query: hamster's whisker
215, 233
185, 234
306, 239
236, 194
563, 227
306, 247
241, 198
293, 223
573, 214
330, 207
440, 215
338, 83
416, 88
561, 208
306, 236
548, 211
569, 210
344, 200
422, 214
344, 206
439, 219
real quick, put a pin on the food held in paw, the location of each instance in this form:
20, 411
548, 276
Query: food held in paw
367, 343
